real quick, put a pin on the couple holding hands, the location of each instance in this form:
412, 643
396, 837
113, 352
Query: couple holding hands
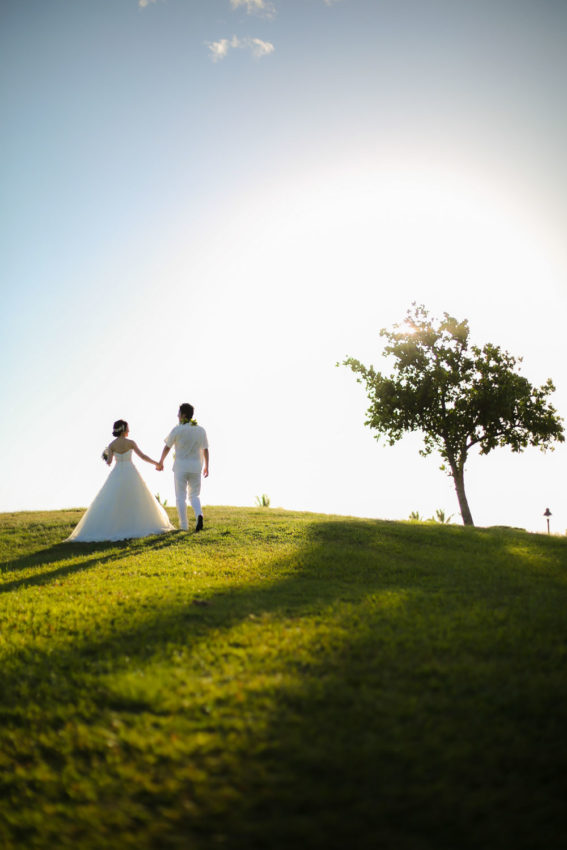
125, 507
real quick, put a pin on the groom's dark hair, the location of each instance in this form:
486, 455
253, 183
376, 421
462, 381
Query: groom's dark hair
187, 410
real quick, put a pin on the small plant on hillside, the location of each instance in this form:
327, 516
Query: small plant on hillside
164, 503
415, 516
263, 501
441, 516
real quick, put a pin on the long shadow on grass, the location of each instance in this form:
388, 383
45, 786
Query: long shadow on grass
430, 718
102, 553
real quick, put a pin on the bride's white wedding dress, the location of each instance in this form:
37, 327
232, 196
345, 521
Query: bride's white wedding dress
123, 508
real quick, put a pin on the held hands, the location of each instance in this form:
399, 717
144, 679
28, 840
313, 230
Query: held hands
159, 467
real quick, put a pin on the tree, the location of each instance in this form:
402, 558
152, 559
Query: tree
459, 396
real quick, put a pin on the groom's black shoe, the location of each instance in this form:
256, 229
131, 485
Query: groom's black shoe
199, 526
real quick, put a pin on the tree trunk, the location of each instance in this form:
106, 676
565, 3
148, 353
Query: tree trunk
459, 479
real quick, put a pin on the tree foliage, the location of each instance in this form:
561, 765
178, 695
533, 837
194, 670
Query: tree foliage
458, 395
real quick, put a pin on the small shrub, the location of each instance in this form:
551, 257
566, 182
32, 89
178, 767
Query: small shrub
441, 516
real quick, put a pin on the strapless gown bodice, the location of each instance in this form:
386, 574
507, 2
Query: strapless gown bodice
123, 508
123, 457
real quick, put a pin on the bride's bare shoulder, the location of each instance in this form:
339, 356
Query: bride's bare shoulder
121, 444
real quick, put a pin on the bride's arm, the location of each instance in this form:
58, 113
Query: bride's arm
142, 455
164, 454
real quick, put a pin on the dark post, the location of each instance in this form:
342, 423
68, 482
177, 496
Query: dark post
547, 514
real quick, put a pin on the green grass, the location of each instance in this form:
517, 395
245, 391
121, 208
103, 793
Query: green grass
283, 680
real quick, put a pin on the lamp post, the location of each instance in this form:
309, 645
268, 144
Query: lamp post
547, 514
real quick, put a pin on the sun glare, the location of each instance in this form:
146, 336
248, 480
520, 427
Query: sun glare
314, 263
382, 238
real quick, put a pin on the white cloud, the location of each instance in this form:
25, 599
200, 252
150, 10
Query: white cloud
219, 49
259, 48
143, 3
255, 7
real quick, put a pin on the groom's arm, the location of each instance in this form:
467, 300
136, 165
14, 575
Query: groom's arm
206, 464
164, 454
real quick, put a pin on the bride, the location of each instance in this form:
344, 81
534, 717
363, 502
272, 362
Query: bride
124, 507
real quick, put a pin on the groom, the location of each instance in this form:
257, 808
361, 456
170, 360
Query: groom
191, 449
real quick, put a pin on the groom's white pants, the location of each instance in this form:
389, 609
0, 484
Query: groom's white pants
187, 481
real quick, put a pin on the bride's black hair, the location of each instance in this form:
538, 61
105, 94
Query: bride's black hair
119, 427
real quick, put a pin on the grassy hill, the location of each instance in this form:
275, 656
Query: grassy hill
283, 680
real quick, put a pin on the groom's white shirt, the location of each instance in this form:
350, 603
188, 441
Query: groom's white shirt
189, 442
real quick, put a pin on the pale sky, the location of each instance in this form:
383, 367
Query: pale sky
215, 201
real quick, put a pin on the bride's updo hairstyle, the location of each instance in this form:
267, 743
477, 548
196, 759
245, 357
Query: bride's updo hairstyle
120, 427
